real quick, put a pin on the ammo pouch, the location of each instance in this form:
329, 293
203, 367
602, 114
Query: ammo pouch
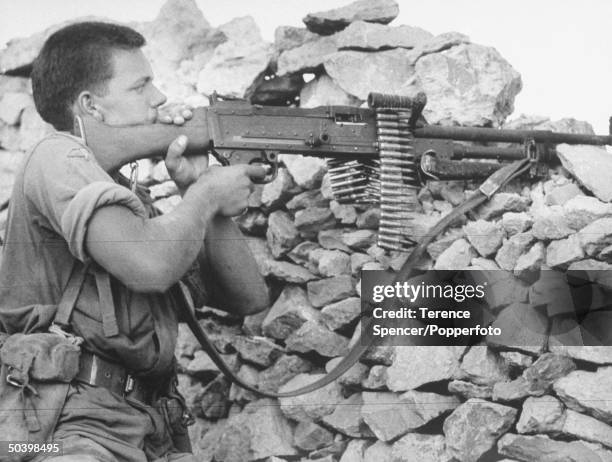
35, 372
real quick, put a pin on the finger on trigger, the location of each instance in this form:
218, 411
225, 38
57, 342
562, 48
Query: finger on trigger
187, 114
257, 171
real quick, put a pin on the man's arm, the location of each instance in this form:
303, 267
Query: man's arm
235, 283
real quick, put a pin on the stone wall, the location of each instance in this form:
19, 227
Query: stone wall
489, 402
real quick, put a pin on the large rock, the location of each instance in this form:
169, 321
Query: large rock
483, 366
258, 432
12, 105
468, 85
390, 415
311, 406
347, 418
324, 91
414, 366
288, 313
474, 427
306, 57
582, 210
282, 234
542, 448
457, 256
596, 236
329, 290
588, 392
415, 447
314, 336
367, 36
541, 415
328, 22
236, 66
593, 354
586, 163
359, 73
485, 237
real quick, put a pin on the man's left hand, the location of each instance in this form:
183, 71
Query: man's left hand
175, 114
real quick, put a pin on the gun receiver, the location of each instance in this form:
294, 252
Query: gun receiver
379, 154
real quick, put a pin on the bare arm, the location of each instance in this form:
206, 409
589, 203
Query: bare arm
238, 285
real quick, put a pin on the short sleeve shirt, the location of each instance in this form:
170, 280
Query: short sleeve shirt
57, 190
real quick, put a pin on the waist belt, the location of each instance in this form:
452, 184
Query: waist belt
96, 371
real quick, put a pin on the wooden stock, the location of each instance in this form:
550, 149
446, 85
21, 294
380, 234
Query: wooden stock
115, 146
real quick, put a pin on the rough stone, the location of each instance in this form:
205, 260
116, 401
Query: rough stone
259, 351
344, 213
324, 91
564, 252
541, 415
379, 451
333, 263
310, 221
354, 451
12, 105
415, 447
341, 313
457, 256
523, 329
550, 223
474, 427
560, 195
309, 436
368, 36
532, 448
326, 22
530, 261
347, 418
369, 219
278, 191
512, 249
331, 239
283, 370
313, 336
288, 272
250, 375
594, 354
468, 84
485, 237
588, 392
596, 236
545, 371
306, 57
329, 290
585, 163
582, 210
511, 391
351, 378
288, 37
307, 199
501, 203
390, 415
514, 223
376, 378
282, 233
398, 77
360, 239
259, 431
586, 428
32, 128
414, 366
288, 313
234, 67
469, 390
436, 248
311, 406
483, 366
516, 360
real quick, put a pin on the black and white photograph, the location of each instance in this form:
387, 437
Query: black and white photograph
305, 231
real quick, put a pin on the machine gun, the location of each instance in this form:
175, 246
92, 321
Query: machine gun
377, 155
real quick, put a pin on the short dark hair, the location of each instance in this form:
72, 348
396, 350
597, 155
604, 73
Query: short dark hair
73, 59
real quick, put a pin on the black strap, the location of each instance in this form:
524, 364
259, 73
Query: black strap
496, 181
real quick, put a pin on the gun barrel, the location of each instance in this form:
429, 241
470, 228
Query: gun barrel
509, 136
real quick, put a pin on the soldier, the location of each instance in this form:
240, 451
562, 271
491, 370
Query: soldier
71, 207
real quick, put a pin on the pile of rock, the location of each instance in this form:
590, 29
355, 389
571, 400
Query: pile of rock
518, 398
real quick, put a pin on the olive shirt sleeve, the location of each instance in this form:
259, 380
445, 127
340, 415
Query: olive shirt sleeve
66, 185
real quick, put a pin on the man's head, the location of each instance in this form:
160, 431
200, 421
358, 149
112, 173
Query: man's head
97, 69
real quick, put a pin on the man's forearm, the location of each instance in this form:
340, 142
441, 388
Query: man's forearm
237, 283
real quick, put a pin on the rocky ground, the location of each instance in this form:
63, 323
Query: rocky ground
525, 397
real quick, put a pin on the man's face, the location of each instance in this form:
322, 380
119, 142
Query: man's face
130, 97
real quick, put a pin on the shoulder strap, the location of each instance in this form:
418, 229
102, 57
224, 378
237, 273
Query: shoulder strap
71, 293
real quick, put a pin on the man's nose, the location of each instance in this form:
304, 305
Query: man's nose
157, 98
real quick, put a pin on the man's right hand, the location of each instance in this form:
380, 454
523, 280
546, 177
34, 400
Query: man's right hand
228, 188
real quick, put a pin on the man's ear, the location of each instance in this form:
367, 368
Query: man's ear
86, 104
